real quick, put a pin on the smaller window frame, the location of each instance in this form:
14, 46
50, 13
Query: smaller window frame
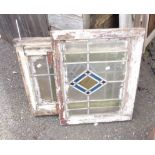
36, 46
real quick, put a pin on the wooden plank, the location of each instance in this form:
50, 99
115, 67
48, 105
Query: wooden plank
32, 41
137, 20
68, 21
29, 25
151, 29
37, 25
151, 25
149, 38
125, 21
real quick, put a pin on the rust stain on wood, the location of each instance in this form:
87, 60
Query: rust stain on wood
50, 57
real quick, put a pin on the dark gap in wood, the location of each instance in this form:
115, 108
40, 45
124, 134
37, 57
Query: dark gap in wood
104, 21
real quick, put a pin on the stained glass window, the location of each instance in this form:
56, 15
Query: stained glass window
96, 69
93, 73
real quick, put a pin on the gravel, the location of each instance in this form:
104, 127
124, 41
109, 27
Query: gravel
16, 121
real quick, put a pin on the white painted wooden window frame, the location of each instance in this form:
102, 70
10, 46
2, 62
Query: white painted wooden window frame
33, 43
136, 39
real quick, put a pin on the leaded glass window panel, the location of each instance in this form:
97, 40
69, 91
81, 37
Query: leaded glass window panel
94, 70
92, 73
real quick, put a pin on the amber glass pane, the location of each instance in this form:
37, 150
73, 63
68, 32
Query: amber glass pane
88, 82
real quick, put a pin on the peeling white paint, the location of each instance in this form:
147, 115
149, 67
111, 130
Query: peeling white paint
107, 68
39, 65
96, 124
96, 33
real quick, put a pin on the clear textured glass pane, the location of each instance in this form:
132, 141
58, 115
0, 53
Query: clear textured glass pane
75, 95
106, 45
107, 56
112, 76
108, 66
76, 46
75, 57
42, 87
109, 91
73, 70
38, 65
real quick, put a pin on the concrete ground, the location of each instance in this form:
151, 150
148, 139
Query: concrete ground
16, 121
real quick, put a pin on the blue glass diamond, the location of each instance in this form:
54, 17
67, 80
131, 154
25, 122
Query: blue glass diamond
88, 82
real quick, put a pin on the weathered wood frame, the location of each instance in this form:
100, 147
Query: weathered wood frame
32, 43
136, 39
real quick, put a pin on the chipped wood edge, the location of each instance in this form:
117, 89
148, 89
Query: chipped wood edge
136, 48
58, 79
149, 38
37, 110
137, 39
96, 33
32, 41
